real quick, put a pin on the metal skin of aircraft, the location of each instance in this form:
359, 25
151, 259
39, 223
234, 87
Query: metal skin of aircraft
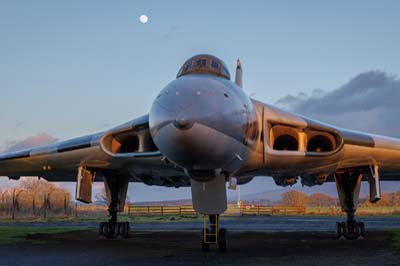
203, 131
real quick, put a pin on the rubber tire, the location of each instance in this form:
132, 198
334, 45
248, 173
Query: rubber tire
357, 231
108, 232
124, 229
101, 228
119, 230
204, 246
222, 240
338, 230
127, 230
342, 233
361, 230
344, 228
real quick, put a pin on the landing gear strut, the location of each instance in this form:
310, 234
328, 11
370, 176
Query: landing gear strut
212, 234
348, 186
116, 188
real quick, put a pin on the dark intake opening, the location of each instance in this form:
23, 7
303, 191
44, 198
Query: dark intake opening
286, 143
319, 144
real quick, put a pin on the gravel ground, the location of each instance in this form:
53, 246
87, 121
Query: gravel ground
251, 241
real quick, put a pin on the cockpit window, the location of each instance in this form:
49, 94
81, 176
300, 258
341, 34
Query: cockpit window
206, 64
201, 63
214, 64
188, 66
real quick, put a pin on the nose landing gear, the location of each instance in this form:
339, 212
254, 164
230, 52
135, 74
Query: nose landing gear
212, 234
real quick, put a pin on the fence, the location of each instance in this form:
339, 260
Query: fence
161, 210
271, 210
232, 210
259, 210
62, 208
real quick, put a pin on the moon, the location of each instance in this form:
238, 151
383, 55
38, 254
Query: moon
143, 19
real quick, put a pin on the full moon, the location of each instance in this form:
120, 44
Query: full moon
143, 19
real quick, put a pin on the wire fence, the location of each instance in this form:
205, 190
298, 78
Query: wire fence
15, 206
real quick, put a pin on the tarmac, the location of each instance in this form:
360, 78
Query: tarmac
251, 241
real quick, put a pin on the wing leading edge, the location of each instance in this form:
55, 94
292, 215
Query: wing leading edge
60, 161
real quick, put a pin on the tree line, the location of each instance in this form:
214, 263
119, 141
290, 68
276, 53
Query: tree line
34, 196
299, 199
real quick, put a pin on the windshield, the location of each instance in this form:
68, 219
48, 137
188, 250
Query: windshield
204, 64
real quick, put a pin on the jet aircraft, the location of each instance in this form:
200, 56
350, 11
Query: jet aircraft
203, 131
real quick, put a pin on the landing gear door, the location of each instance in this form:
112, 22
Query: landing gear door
84, 182
374, 185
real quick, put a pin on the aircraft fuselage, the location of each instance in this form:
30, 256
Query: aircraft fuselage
201, 123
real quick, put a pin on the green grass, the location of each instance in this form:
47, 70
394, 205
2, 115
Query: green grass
14, 234
395, 237
121, 217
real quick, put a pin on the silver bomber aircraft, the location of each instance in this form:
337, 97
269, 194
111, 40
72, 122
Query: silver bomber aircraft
203, 131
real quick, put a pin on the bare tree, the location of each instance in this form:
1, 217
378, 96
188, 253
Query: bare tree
294, 198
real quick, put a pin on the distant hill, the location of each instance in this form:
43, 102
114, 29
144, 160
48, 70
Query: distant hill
271, 196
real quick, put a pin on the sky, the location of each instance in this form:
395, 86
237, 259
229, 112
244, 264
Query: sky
68, 68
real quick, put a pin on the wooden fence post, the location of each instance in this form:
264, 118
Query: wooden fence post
33, 206
44, 206
65, 204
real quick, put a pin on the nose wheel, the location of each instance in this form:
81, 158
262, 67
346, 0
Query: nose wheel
211, 234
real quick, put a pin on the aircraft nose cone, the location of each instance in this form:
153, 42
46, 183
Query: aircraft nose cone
182, 123
199, 124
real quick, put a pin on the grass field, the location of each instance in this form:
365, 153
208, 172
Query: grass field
14, 234
121, 217
395, 237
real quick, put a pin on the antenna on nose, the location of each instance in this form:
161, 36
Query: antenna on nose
238, 77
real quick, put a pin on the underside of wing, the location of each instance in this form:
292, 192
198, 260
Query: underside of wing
127, 149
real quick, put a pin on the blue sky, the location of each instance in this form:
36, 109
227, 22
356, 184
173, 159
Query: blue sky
73, 67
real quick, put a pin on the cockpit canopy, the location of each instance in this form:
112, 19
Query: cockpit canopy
204, 63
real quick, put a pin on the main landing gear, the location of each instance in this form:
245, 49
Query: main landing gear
212, 234
351, 229
112, 228
116, 188
348, 186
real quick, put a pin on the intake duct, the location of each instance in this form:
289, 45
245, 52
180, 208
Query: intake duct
128, 141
